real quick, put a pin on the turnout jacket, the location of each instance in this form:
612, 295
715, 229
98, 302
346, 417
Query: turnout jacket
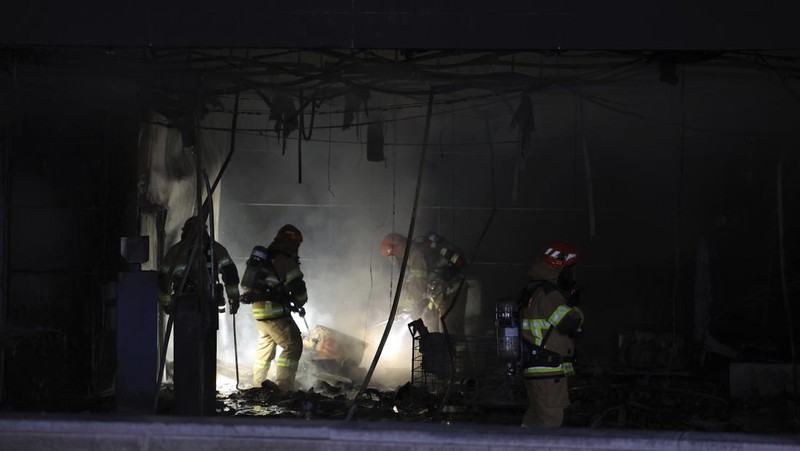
175, 263
548, 321
433, 275
284, 280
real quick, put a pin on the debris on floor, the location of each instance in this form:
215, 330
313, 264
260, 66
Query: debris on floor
374, 404
332, 357
598, 401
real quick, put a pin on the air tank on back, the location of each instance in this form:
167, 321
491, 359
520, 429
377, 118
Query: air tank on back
507, 322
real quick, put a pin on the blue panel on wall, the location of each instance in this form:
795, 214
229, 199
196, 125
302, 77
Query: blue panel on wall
137, 342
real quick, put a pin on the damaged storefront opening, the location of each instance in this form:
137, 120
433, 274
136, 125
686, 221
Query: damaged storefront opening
605, 222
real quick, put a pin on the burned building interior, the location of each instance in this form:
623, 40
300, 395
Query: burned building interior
669, 162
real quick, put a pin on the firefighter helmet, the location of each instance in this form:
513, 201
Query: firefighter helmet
289, 233
393, 244
559, 254
191, 224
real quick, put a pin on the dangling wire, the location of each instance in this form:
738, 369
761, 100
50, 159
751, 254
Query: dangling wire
329, 149
302, 114
394, 204
268, 103
230, 151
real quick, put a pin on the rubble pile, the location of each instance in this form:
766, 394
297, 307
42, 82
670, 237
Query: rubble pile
405, 404
267, 402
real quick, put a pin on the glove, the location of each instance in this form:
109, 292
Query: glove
168, 309
302, 312
233, 306
246, 298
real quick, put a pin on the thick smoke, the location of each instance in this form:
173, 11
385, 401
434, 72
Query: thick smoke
344, 206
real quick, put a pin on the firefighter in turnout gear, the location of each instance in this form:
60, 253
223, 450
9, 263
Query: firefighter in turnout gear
551, 320
434, 274
175, 263
274, 284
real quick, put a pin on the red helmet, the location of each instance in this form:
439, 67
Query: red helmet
393, 244
559, 254
289, 233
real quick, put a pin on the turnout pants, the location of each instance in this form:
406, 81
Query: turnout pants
547, 399
281, 332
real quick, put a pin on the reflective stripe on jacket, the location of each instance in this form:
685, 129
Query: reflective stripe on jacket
546, 315
286, 280
174, 264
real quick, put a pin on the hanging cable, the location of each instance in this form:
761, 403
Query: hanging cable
268, 103
313, 103
300, 144
394, 209
330, 131
397, 292
230, 151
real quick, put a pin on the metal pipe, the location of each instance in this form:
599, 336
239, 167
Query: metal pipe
210, 203
162, 361
233, 144
235, 352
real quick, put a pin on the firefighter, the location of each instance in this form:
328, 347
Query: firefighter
551, 320
434, 275
173, 267
274, 284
